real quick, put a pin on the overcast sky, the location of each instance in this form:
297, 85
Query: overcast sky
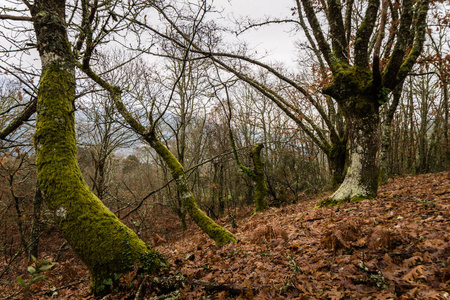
274, 38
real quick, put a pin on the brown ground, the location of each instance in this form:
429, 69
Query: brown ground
393, 247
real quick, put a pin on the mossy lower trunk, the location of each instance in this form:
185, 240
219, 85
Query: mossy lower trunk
261, 189
361, 180
103, 243
220, 235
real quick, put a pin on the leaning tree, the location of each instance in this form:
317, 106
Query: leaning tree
103, 243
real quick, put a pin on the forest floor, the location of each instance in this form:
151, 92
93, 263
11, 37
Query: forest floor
396, 246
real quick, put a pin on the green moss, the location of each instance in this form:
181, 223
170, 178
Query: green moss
220, 235
261, 189
330, 202
103, 243
152, 262
349, 82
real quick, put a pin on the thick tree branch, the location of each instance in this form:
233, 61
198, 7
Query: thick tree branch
319, 36
419, 39
348, 19
309, 37
337, 30
364, 33
283, 105
376, 51
398, 53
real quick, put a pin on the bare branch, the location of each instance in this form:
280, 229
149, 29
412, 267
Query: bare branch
16, 18
19, 120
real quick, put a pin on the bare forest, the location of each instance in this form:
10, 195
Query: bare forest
159, 150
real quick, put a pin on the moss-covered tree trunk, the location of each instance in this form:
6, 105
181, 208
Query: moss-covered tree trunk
261, 189
361, 180
363, 75
219, 234
103, 243
354, 89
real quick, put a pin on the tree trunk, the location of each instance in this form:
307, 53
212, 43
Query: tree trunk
446, 125
181, 212
361, 180
359, 95
386, 136
258, 176
36, 221
337, 161
220, 235
103, 243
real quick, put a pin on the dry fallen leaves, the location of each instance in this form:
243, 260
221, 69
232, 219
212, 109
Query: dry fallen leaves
394, 246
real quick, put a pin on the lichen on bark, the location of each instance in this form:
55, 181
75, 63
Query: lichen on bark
353, 89
103, 243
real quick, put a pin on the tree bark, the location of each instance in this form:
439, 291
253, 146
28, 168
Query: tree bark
361, 180
337, 161
355, 91
103, 243
35, 225
386, 136
446, 124
261, 189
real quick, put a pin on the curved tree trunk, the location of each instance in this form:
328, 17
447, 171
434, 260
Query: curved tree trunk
103, 243
361, 180
220, 235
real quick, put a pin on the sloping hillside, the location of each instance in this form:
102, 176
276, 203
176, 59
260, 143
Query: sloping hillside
396, 246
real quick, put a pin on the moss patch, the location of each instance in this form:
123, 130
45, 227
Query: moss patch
330, 202
350, 82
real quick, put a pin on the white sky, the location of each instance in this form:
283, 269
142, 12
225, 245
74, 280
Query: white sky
274, 38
